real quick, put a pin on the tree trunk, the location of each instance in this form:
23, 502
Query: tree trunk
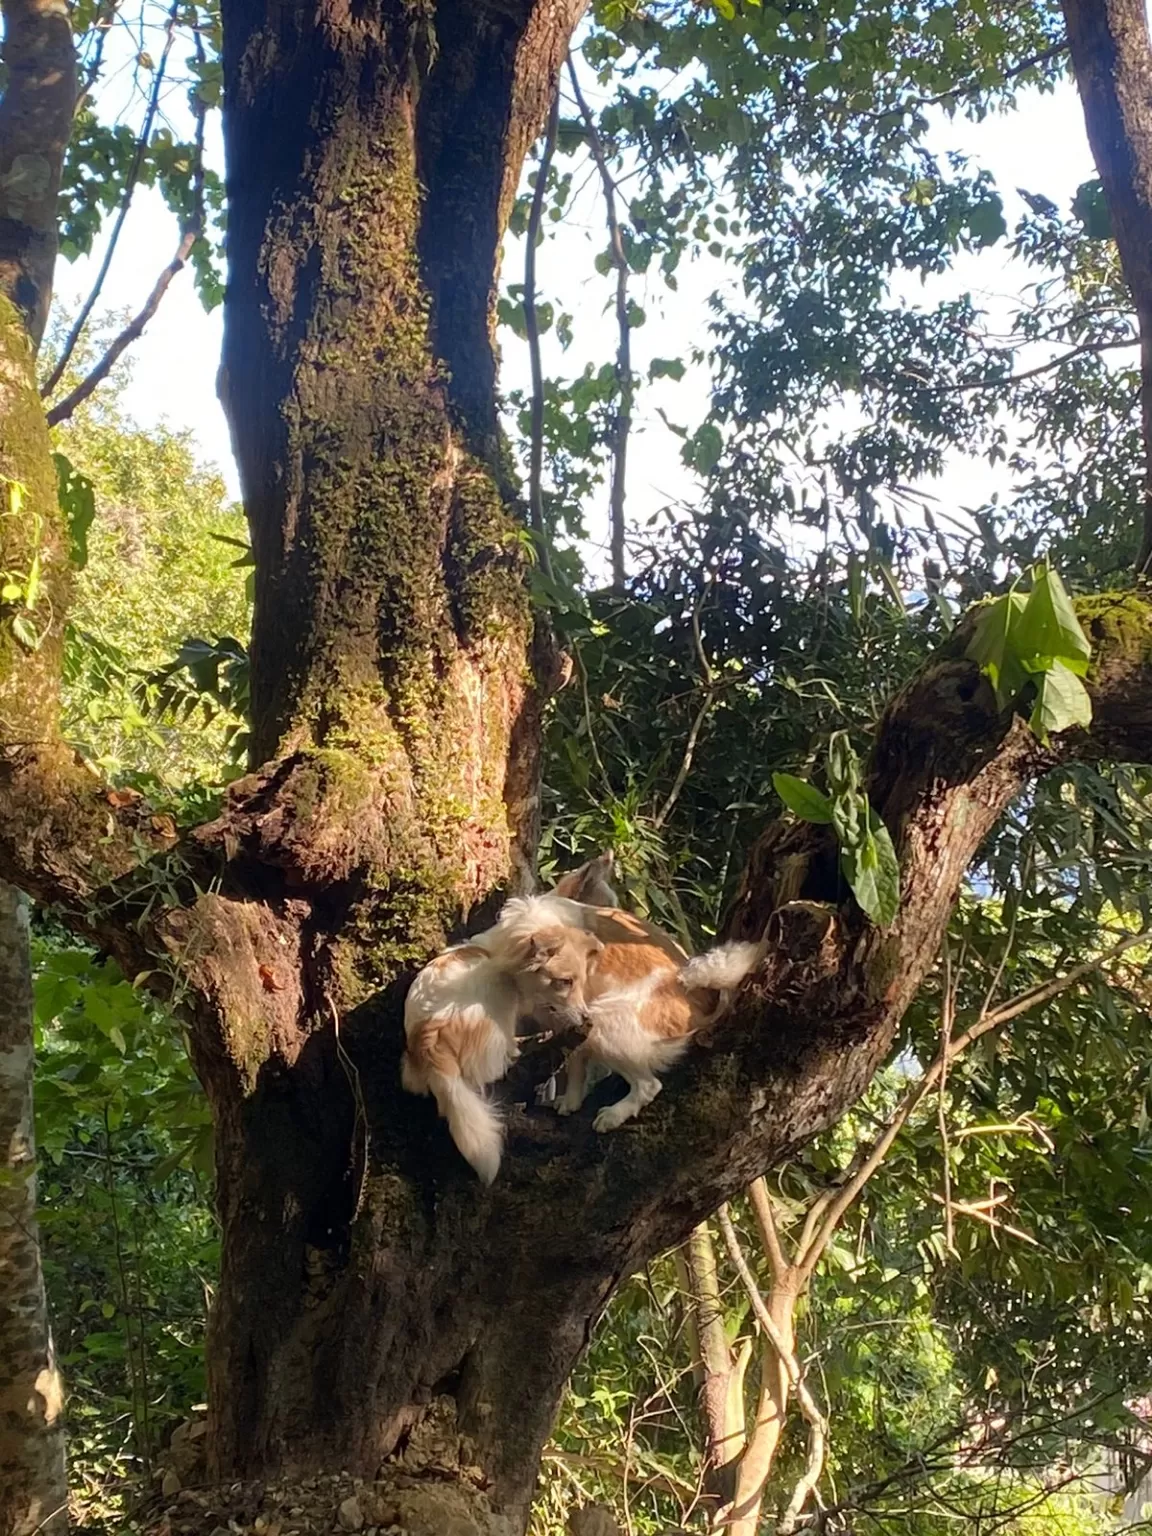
397, 683
36, 115
771, 1416
1112, 61
719, 1369
33, 1475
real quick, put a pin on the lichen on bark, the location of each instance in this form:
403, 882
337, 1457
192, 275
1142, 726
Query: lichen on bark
32, 536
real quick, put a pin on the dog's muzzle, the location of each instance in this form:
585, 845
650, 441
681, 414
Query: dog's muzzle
563, 1017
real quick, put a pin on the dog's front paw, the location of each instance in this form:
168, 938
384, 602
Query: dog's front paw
565, 1107
612, 1118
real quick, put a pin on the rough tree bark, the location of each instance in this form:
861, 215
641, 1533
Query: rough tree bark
33, 1474
35, 121
35, 124
397, 685
1112, 61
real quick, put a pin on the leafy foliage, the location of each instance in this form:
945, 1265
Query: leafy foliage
157, 545
867, 856
130, 1250
1036, 639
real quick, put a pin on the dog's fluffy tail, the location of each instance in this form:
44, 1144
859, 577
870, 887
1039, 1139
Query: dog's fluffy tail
474, 1124
720, 969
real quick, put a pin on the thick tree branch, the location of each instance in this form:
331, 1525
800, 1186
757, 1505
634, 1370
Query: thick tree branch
35, 125
808, 1033
1112, 61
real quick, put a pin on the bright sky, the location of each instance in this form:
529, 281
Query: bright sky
1041, 147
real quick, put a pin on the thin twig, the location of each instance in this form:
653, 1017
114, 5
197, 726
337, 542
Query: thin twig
1089, 348
64, 409
833, 1204
532, 327
102, 25
125, 203
697, 725
765, 1215
200, 112
47, 1520
919, 103
142, 1336
125, 1296
974, 1209
998, 974
624, 346
360, 1132
947, 1020
192, 231
597, 759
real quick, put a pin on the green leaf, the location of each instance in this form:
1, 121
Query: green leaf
1090, 206
843, 764
1048, 629
993, 646
78, 504
1061, 702
666, 368
872, 870
986, 223
26, 633
803, 799
703, 449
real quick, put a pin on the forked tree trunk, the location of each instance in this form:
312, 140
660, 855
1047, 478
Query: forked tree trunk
33, 1475
373, 153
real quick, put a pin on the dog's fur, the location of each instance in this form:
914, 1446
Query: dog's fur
644, 998
573, 957
460, 1020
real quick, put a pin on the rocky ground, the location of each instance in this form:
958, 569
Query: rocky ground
431, 1489
395, 1505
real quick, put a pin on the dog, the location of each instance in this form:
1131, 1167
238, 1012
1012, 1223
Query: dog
461, 1013
644, 999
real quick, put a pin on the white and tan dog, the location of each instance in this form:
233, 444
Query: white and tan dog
461, 1013
644, 998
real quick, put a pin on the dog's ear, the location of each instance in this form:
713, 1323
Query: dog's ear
589, 883
569, 885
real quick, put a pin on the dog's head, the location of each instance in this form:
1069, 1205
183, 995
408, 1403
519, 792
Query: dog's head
554, 973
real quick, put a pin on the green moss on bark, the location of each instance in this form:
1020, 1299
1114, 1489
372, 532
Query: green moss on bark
30, 531
1119, 626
